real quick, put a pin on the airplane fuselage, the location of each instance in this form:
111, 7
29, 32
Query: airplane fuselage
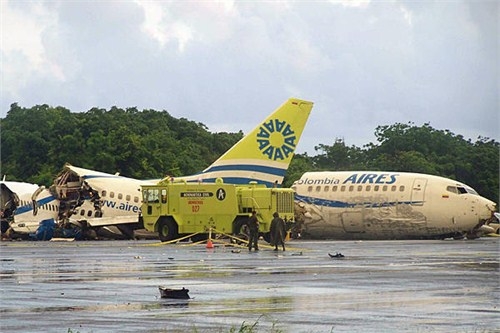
24, 218
387, 205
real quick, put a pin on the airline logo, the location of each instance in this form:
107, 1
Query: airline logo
355, 178
371, 178
276, 139
124, 206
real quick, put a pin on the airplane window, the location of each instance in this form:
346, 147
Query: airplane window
111, 194
89, 214
342, 188
368, 188
351, 188
393, 188
82, 212
402, 188
461, 190
327, 188
309, 189
384, 188
136, 199
375, 188
360, 188
471, 191
103, 194
318, 188
334, 188
127, 197
120, 196
452, 189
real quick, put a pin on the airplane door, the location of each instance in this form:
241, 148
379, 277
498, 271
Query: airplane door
418, 192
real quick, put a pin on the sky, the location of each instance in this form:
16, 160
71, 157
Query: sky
229, 64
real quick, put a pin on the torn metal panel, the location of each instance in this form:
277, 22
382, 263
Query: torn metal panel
73, 191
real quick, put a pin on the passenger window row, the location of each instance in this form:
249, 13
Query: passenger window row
358, 188
90, 212
119, 196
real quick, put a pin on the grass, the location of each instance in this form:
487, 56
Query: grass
244, 328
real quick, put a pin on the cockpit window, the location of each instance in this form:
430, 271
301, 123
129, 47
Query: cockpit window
471, 191
461, 190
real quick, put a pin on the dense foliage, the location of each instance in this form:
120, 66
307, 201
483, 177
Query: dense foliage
37, 141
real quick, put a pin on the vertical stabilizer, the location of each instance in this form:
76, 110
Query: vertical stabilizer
265, 153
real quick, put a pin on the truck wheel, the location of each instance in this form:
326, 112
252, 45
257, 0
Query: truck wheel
167, 230
241, 229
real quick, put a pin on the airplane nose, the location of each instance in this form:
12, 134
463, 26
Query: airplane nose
491, 206
489, 209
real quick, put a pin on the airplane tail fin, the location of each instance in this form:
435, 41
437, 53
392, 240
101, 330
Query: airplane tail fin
265, 153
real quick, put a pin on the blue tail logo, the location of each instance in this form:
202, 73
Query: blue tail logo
276, 139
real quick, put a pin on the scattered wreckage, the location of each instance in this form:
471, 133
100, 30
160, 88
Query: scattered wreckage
75, 208
174, 293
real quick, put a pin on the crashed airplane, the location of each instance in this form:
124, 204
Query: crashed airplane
389, 205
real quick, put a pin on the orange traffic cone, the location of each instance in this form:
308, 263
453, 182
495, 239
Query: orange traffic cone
210, 245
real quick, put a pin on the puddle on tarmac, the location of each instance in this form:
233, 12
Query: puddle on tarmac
112, 286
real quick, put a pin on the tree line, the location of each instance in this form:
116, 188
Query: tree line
36, 142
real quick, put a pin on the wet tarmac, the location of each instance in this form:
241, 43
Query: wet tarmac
379, 286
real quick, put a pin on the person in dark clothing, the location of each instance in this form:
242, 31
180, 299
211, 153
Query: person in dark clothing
253, 227
278, 232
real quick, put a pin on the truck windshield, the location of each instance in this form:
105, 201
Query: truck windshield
150, 195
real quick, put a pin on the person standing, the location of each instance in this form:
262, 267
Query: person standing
278, 231
253, 227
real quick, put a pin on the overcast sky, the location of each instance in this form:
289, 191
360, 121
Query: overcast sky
228, 64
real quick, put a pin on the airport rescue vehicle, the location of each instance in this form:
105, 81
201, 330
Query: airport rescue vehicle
177, 209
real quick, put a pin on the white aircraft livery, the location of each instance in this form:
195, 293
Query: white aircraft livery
388, 205
17, 202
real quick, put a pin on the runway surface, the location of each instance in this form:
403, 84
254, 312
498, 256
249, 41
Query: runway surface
379, 286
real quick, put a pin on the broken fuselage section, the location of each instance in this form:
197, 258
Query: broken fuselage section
82, 206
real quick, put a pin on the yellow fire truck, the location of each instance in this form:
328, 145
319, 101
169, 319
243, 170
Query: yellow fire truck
178, 209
